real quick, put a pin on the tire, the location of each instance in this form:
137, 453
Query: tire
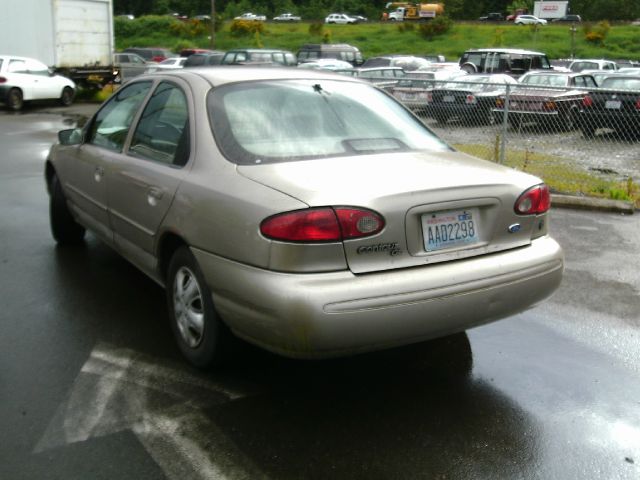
15, 99
588, 132
200, 334
568, 122
66, 98
488, 117
64, 228
441, 119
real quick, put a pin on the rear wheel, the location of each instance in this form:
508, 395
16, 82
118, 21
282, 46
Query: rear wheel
66, 98
15, 100
201, 336
64, 228
587, 132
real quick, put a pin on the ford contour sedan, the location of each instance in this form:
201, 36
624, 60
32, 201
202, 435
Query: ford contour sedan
310, 214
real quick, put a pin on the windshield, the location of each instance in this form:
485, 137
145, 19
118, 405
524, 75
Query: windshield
546, 80
278, 121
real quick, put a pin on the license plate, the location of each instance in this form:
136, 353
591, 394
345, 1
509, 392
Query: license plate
613, 104
449, 98
408, 96
450, 228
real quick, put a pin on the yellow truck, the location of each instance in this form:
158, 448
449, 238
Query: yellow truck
413, 11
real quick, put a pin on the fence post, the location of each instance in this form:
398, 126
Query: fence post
505, 123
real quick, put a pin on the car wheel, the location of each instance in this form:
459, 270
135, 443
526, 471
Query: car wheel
469, 68
441, 119
199, 332
15, 100
64, 228
489, 117
66, 98
568, 121
515, 122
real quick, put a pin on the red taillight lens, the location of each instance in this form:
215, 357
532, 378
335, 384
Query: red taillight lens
549, 105
536, 200
322, 225
429, 97
471, 100
587, 101
638, 104
3, 80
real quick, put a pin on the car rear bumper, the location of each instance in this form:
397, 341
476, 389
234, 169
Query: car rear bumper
339, 313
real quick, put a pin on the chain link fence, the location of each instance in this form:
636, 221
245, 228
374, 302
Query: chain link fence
580, 141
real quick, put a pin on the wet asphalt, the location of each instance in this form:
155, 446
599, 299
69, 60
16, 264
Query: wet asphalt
92, 386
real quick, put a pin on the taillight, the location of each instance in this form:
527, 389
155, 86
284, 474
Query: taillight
499, 102
549, 105
637, 105
536, 200
3, 80
429, 97
587, 101
322, 225
471, 100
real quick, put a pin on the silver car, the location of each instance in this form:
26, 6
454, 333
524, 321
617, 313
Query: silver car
308, 213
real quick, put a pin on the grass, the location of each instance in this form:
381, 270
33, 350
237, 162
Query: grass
623, 41
559, 175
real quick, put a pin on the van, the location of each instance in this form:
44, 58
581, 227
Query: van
339, 51
512, 61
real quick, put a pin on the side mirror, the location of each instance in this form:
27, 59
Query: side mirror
72, 136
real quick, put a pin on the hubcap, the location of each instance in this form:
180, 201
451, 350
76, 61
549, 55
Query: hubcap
188, 307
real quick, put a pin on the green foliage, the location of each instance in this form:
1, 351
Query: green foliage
191, 28
326, 37
406, 27
243, 28
498, 38
435, 27
316, 28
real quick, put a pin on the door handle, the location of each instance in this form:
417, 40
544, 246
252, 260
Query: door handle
98, 174
154, 194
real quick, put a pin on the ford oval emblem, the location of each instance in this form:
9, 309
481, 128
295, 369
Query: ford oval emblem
514, 228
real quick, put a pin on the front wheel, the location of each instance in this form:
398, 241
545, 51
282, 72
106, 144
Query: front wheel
64, 228
199, 332
66, 98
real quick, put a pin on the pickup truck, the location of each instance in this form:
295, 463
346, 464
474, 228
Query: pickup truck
287, 17
252, 17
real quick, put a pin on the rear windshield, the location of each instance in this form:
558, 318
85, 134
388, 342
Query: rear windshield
280, 121
621, 83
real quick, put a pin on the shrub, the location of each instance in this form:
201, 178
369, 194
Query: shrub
241, 28
316, 29
598, 33
406, 27
437, 26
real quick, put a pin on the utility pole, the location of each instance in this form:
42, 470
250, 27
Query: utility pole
213, 24
573, 31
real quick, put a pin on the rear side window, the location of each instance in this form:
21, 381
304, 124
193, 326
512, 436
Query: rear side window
162, 134
111, 125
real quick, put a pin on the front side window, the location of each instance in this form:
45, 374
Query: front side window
162, 134
269, 121
111, 124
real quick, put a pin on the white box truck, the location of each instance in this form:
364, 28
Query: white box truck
550, 9
73, 37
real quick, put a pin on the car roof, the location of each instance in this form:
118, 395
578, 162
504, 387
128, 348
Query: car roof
505, 50
226, 74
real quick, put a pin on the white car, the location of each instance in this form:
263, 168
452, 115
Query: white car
287, 17
252, 17
340, 18
25, 79
172, 63
529, 20
327, 64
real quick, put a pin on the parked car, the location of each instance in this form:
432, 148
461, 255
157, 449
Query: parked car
243, 56
252, 17
600, 75
592, 64
339, 51
25, 79
407, 62
614, 106
529, 20
329, 64
151, 54
383, 77
287, 17
492, 17
340, 18
470, 99
307, 213
203, 59
512, 61
131, 64
549, 99
168, 64
568, 18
